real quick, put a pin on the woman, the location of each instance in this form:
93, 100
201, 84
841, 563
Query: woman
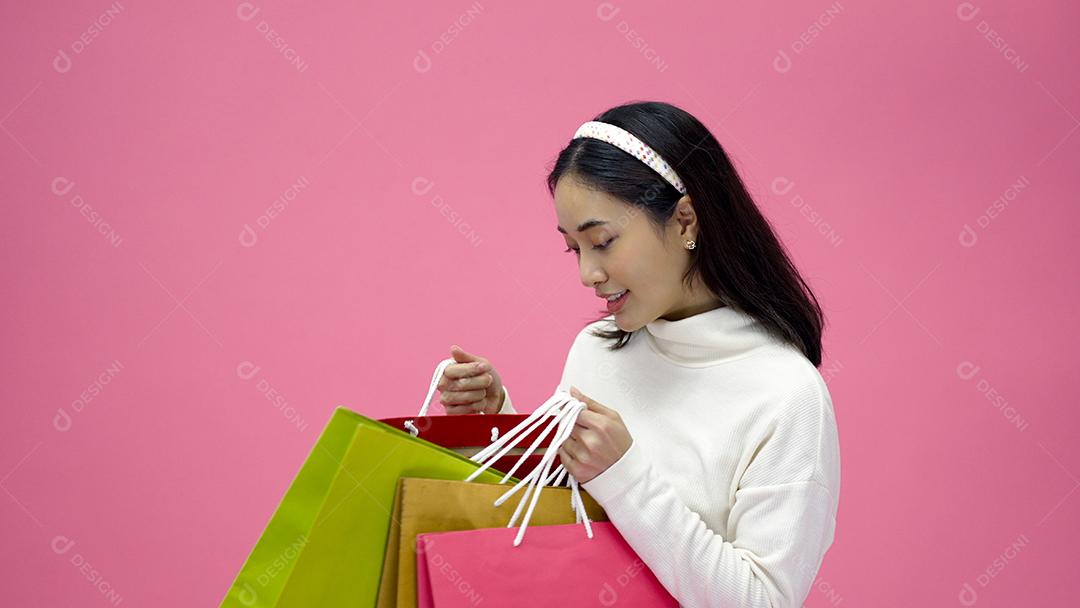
709, 437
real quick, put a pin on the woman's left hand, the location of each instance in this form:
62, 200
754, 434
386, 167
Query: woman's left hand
599, 440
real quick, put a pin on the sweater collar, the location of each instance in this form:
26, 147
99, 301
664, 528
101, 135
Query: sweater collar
708, 338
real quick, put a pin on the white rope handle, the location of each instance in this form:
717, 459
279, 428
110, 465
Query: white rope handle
559, 414
513, 434
579, 507
439, 369
566, 426
488, 456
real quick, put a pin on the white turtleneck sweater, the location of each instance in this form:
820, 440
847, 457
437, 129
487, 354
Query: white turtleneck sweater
729, 490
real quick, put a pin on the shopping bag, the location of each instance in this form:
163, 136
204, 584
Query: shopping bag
558, 566
263, 575
324, 545
433, 505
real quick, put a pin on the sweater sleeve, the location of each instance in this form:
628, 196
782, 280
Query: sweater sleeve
507, 407
780, 524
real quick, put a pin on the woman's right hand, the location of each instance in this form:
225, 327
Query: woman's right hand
470, 385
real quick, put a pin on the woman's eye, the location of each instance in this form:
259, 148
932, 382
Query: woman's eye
603, 245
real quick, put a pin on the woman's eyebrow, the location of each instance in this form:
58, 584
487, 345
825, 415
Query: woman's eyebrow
584, 225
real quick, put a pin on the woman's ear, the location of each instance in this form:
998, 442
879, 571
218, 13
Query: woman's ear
686, 217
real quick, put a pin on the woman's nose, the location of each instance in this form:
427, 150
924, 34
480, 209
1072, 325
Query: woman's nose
591, 275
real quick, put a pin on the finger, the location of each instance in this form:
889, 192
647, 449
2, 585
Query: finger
589, 419
470, 383
460, 397
455, 410
581, 441
465, 370
590, 403
575, 450
566, 454
580, 396
461, 356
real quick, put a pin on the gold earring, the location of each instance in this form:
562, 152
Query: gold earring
690, 244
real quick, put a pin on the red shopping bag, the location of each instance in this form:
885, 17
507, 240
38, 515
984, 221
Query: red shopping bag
468, 434
556, 566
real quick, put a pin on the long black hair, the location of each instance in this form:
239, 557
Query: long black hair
738, 257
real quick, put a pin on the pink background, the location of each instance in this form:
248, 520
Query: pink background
417, 218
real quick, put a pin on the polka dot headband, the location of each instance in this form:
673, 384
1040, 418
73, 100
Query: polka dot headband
627, 142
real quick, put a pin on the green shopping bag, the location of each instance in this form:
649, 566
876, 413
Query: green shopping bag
325, 544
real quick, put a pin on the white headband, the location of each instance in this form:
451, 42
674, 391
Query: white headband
627, 142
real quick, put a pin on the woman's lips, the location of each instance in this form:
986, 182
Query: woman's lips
616, 306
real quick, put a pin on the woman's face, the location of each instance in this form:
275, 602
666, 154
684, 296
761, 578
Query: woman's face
619, 249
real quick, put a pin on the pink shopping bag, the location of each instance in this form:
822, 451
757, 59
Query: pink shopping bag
555, 566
